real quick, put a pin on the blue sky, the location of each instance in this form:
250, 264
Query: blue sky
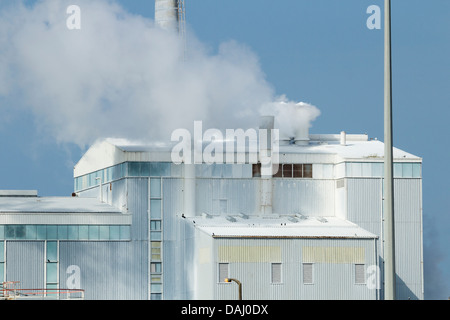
320, 52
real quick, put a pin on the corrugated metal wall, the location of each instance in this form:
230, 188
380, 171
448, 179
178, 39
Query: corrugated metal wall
331, 280
108, 270
306, 196
25, 262
219, 196
365, 207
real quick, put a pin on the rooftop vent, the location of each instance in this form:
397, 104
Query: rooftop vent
18, 193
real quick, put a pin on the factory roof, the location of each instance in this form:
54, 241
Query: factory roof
110, 152
54, 205
275, 226
29, 209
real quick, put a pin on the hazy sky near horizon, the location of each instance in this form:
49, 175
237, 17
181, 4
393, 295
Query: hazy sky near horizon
61, 89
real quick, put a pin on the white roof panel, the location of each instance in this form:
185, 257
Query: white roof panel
280, 227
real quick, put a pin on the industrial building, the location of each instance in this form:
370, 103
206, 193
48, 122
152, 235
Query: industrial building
140, 226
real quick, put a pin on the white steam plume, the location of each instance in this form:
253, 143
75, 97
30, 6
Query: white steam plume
120, 76
291, 118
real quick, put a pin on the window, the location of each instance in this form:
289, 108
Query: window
360, 274
296, 170
276, 272
256, 168
308, 276
156, 250
223, 271
156, 267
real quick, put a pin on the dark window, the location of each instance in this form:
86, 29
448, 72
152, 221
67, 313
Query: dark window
257, 170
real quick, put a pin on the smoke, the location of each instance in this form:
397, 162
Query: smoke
120, 76
293, 119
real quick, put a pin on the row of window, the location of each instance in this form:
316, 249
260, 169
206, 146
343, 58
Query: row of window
287, 170
64, 232
307, 273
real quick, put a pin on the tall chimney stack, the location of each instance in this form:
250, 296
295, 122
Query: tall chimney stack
166, 14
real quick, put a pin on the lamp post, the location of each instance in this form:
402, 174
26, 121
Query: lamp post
239, 284
389, 243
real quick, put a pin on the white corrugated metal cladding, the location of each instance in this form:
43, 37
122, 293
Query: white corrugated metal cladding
143, 227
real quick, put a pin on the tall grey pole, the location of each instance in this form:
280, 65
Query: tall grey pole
389, 241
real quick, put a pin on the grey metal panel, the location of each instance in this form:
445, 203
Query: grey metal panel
306, 196
137, 201
365, 209
172, 195
331, 280
25, 262
218, 196
108, 270
364, 203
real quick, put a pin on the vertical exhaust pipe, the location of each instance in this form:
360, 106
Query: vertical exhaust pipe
266, 129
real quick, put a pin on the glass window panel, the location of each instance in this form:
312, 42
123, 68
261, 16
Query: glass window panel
52, 272
20, 232
62, 232
366, 169
2, 271
156, 296
416, 167
156, 278
398, 172
297, 171
155, 209
134, 169
308, 275
223, 271
125, 233
287, 170
114, 232
72, 232
52, 232
2, 232
159, 169
356, 170
2, 251
156, 287
155, 225
93, 232
156, 267
155, 188
104, 232
52, 287
407, 170
41, 232
30, 232
256, 170
52, 251
276, 272
83, 232
155, 235
377, 170
145, 169
307, 171
10, 232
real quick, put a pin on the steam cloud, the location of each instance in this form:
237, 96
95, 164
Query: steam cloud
120, 76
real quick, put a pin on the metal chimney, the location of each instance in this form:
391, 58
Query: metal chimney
167, 14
